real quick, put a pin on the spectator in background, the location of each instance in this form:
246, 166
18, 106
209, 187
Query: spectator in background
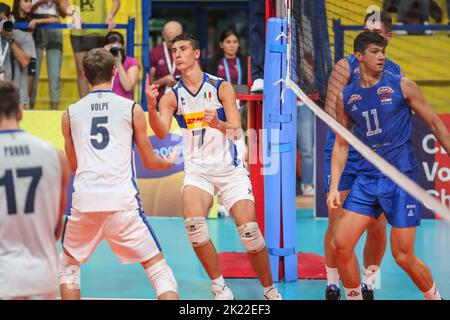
162, 66
403, 8
257, 40
45, 12
231, 66
22, 13
305, 141
127, 68
17, 51
89, 11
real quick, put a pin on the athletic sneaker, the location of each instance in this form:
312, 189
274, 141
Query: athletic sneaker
222, 292
367, 293
308, 190
258, 86
273, 294
332, 292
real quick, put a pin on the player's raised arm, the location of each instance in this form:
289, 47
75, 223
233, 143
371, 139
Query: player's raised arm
415, 99
65, 177
144, 146
68, 142
338, 156
337, 81
160, 121
232, 126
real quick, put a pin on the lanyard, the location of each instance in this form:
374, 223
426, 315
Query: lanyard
170, 66
3, 52
227, 70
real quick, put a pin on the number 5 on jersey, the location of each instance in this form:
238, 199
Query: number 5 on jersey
98, 128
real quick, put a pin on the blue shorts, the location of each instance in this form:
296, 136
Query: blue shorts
371, 196
348, 175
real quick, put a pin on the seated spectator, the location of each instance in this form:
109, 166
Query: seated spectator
19, 45
162, 66
231, 66
127, 68
50, 40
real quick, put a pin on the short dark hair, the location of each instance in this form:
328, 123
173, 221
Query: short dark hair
9, 100
385, 19
98, 66
5, 9
187, 37
114, 36
364, 39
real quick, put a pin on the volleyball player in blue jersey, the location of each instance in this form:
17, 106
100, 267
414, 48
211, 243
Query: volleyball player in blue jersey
344, 72
377, 108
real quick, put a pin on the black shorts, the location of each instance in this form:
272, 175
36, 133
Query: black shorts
87, 43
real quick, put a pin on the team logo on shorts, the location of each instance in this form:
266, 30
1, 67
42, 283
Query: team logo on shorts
411, 209
354, 98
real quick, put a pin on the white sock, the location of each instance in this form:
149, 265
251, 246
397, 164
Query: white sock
220, 280
332, 276
370, 275
267, 289
432, 294
353, 294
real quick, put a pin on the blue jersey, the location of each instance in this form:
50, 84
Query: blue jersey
382, 120
354, 75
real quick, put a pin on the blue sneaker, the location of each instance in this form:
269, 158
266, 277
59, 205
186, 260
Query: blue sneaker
332, 292
367, 293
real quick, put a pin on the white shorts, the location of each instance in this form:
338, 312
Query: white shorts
128, 233
232, 185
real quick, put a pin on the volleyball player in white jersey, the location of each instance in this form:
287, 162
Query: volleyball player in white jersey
205, 108
99, 132
33, 181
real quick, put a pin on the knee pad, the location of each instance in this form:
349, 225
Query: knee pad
251, 237
161, 277
69, 271
197, 231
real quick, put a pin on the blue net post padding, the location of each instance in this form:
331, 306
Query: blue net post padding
279, 157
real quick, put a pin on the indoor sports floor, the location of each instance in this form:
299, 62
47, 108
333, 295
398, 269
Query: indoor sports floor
104, 277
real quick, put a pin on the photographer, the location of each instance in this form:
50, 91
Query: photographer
18, 54
127, 67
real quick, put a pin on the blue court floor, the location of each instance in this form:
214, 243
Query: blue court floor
104, 277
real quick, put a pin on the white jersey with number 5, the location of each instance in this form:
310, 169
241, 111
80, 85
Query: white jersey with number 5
205, 148
101, 125
30, 191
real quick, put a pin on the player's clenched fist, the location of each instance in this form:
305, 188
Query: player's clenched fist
210, 117
334, 199
151, 92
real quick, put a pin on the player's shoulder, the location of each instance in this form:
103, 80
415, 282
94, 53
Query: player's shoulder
39, 143
213, 80
392, 66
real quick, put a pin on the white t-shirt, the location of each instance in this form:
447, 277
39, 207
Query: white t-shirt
205, 148
102, 133
30, 192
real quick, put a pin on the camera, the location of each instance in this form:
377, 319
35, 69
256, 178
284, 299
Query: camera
114, 51
8, 26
